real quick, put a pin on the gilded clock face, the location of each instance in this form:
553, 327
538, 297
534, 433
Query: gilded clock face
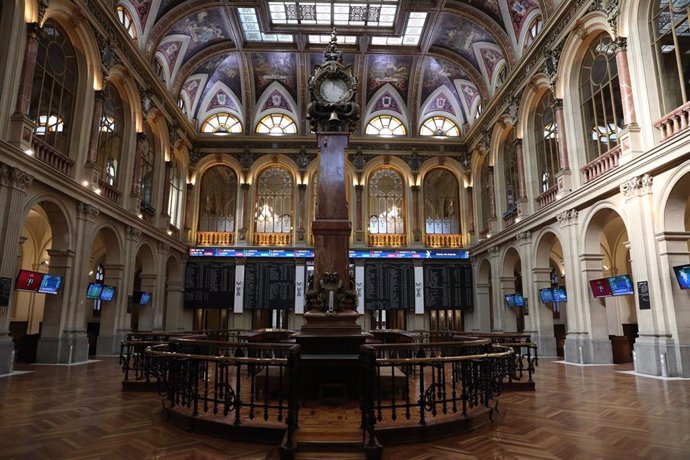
333, 90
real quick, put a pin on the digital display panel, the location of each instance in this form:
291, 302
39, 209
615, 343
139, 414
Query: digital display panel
107, 293
621, 285
519, 300
309, 253
683, 275
145, 298
559, 294
50, 284
600, 287
94, 291
510, 300
28, 281
546, 295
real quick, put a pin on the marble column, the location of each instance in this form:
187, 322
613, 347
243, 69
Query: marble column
416, 232
301, 213
563, 160
359, 212
245, 214
166, 194
22, 127
508, 316
624, 81
542, 314
520, 169
92, 153
109, 335
13, 186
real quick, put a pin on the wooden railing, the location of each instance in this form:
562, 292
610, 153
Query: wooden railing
427, 384
272, 239
509, 216
48, 155
387, 239
441, 240
215, 238
547, 197
109, 192
602, 164
674, 122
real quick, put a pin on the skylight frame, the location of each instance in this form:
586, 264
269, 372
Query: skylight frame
414, 28
334, 13
249, 21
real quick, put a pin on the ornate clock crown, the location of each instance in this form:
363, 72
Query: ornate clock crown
332, 53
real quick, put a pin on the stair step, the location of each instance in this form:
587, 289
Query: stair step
330, 446
329, 455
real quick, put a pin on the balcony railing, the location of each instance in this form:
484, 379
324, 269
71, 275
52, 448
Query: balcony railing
547, 197
272, 239
509, 216
109, 192
215, 238
387, 239
674, 122
48, 155
148, 212
443, 240
602, 164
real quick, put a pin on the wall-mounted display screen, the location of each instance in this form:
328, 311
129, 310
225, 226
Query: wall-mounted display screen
683, 275
141, 297
600, 287
546, 295
28, 281
559, 294
621, 285
510, 300
50, 284
94, 291
519, 300
107, 293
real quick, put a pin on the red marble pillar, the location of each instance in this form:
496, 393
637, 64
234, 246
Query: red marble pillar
166, 187
624, 81
470, 210
188, 207
520, 168
246, 212
359, 190
415, 213
492, 197
563, 161
28, 67
92, 154
301, 215
332, 228
136, 171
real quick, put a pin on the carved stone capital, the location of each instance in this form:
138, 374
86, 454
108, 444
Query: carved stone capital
86, 211
133, 233
524, 237
567, 218
15, 178
494, 251
163, 247
637, 185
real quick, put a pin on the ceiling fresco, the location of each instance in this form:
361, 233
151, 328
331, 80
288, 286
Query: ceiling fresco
470, 41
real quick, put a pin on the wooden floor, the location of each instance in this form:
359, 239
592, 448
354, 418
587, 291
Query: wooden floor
79, 412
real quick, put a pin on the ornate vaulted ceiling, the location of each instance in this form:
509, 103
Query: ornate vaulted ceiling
412, 58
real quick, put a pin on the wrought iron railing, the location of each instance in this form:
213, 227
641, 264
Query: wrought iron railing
240, 381
418, 383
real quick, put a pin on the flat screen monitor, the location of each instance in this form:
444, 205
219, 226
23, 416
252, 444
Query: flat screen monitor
50, 284
107, 293
141, 297
519, 300
94, 291
546, 295
510, 300
559, 294
600, 287
28, 281
621, 285
683, 276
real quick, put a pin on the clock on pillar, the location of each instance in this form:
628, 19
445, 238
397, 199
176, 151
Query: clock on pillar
330, 321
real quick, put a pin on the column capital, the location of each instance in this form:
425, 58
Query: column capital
567, 218
524, 237
621, 44
494, 251
15, 178
637, 185
86, 211
558, 104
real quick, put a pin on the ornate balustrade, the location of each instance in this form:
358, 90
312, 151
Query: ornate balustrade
387, 239
215, 238
509, 216
674, 122
409, 386
248, 391
547, 197
109, 192
148, 213
443, 240
272, 239
602, 164
48, 155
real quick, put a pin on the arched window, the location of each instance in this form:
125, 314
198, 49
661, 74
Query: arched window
441, 202
127, 21
274, 201
100, 278
221, 124
276, 124
533, 30
600, 96
440, 127
218, 200
55, 83
386, 125
546, 142
110, 136
175, 198
671, 48
147, 157
486, 195
510, 173
386, 202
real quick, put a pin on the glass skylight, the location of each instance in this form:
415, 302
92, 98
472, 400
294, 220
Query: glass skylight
252, 31
413, 32
376, 13
342, 39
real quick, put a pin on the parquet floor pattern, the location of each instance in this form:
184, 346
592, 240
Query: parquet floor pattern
576, 413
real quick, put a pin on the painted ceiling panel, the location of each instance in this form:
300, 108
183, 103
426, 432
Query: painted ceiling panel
222, 67
459, 34
387, 68
270, 67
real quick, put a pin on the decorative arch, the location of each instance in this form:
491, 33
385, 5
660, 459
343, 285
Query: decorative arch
220, 98
441, 102
387, 91
275, 99
170, 52
112, 239
59, 217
